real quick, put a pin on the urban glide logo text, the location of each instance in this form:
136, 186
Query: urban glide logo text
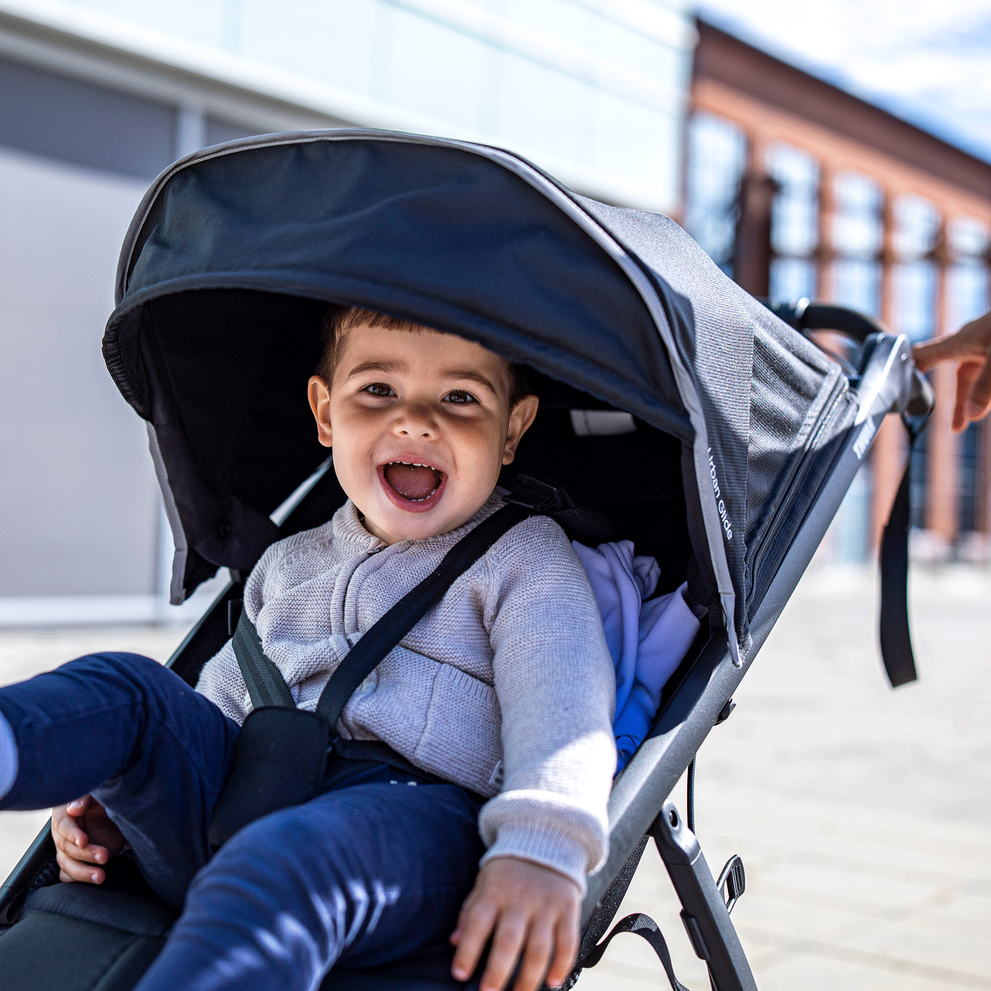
720, 504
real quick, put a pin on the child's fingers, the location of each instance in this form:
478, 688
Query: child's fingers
79, 805
89, 853
474, 926
565, 951
506, 946
71, 869
536, 955
65, 830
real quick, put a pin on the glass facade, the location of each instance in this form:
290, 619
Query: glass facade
915, 240
857, 237
794, 222
897, 258
717, 159
968, 297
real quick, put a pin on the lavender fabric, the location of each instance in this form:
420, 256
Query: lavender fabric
647, 638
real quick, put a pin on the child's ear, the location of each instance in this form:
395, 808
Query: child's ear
520, 419
319, 396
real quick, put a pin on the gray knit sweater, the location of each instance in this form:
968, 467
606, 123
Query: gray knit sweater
505, 688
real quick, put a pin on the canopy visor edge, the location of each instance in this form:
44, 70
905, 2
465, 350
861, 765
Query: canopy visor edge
282, 138
672, 422
176, 590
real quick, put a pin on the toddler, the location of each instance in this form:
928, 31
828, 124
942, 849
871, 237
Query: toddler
500, 699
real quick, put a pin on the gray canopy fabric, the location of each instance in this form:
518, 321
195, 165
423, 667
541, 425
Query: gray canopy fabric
236, 251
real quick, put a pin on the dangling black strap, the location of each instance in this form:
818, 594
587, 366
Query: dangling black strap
645, 926
896, 640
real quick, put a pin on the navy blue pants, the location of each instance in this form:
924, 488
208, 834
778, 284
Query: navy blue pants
372, 871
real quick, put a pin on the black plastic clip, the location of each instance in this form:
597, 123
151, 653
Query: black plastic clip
725, 712
580, 521
539, 494
732, 881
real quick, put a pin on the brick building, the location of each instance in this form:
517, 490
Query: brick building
798, 188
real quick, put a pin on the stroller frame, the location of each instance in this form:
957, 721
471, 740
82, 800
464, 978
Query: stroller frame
882, 379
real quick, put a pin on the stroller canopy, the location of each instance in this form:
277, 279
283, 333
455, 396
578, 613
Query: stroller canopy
236, 251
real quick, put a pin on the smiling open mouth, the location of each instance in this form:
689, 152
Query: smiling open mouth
412, 482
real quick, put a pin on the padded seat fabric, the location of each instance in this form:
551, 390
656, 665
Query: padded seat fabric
105, 940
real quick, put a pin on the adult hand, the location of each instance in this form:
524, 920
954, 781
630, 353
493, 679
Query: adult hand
971, 347
84, 837
529, 909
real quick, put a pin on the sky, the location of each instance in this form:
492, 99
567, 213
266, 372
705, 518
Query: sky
928, 61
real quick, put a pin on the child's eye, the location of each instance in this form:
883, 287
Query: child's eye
378, 389
459, 397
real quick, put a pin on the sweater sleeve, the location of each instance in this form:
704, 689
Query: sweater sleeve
222, 683
556, 688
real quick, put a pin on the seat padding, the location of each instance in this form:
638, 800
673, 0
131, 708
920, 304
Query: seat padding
121, 910
58, 949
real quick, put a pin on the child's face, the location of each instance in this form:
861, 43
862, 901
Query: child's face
420, 425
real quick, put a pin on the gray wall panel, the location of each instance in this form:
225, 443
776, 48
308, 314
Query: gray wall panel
218, 131
78, 498
78, 122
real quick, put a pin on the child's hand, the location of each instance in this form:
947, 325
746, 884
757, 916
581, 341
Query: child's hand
84, 836
529, 908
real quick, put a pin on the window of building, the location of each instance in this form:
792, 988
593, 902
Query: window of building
857, 236
967, 297
794, 221
915, 239
913, 285
717, 155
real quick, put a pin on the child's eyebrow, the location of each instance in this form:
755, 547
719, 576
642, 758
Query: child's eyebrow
377, 366
470, 375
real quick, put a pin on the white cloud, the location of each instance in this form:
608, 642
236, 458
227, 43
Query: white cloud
928, 61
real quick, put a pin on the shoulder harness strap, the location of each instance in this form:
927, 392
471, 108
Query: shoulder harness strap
264, 681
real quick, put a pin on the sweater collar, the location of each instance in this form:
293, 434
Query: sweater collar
347, 526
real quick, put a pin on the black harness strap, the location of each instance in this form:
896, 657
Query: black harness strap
263, 679
366, 654
896, 639
645, 926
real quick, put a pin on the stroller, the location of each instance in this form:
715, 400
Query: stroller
715, 436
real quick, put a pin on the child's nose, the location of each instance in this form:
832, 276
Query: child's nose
416, 421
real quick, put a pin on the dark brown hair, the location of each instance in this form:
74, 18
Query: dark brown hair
340, 320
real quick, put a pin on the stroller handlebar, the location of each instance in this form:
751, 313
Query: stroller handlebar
805, 315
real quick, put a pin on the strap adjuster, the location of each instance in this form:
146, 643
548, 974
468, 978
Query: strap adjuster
539, 494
